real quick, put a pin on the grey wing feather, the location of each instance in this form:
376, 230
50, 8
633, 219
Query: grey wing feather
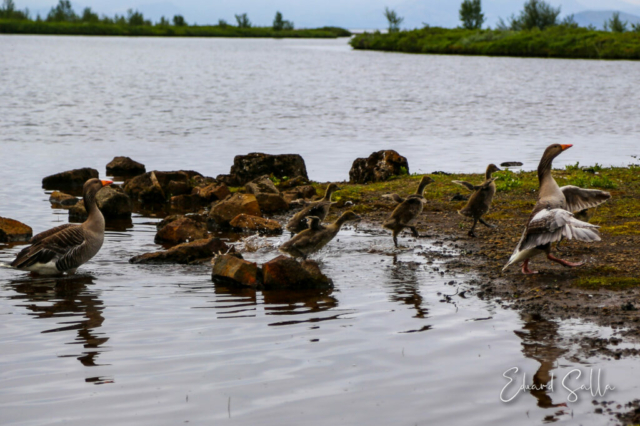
548, 226
56, 245
41, 236
580, 199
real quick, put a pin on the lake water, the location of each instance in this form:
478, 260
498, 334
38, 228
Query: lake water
131, 344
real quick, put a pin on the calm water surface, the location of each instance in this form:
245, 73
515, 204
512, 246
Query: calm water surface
162, 345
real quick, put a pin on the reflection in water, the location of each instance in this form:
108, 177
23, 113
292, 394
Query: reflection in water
242, 302
405, 287
540, 342
67, 297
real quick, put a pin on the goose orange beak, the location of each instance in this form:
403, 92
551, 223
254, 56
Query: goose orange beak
565, 147
106, 182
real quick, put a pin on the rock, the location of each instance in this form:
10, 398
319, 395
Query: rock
292, 183
212, 192
186, 203
11, 231
378, 167
179, 230
272, 203
193, 252
439, 172
224, 211
246, 223
60, 198
231, 271
125, 166
261, 185
175, 187
511, 164
146, 189
248, 167
71, 179
165, 178
286, 273
113, 204
304, 192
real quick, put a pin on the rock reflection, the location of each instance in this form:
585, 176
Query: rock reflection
243, 302
67, 297
541, 341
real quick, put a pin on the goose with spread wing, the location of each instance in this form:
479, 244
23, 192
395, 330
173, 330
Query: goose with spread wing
480, 201
551, 218
66, 247
319, 209
405, 215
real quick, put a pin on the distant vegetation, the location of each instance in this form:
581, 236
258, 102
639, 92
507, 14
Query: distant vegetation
535, 32
63, 20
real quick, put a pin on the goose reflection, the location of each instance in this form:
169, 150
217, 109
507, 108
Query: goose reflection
234, 302
404, 283
540, 341
69, 299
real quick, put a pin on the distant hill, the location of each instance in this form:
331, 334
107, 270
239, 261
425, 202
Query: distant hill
598, 17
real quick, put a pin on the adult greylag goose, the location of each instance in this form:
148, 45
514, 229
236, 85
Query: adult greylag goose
66, 247
319, 208
406, 213
312, 240
551, 218
480, 201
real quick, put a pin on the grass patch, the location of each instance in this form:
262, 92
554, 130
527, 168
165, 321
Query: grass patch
586, 181
608, 283
629, 228
508, 181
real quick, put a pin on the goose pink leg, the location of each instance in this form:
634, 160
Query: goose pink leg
526, 270
564, 262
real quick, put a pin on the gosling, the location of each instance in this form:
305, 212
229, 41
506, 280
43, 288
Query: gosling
406, 213
319, 209
312, 240
480, 201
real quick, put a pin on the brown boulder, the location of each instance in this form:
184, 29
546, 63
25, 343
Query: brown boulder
186, 203
300, 192
378, 167
292, 183
125, 166
271, 203
146, 189
181, 229
224, 211
11, 230
261, 185
246, 223
248, 167
231, 271
212, 192
71, 179
187, 253
286, 273
62, 199
112, 202
176, 187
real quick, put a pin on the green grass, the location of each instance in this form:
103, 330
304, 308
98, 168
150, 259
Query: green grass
508, 181
558, 42
101, 29
608, 283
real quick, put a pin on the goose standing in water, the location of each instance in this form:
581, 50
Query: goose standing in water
480, 201
66, 247
319, 208
551, 218
314, 238
406, 213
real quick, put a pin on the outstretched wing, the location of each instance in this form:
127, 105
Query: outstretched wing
467, 185
580, 199
394, 197
548, 226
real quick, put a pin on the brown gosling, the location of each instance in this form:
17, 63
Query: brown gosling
480, 201
319, 208
312, 240
406, 213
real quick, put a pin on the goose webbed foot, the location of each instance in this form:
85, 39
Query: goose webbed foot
526, 270
564, 262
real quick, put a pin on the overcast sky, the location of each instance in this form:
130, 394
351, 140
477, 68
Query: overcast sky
313, 13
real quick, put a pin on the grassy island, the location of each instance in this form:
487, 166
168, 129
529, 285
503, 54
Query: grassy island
553, 42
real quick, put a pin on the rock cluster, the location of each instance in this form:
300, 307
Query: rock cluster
378, 167
112, 202
125, 167
188, 253
249, 167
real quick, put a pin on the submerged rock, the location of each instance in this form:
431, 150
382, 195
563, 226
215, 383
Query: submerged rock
225, 211
194, 252
246, 223
249, 167
180, 229
261, 185
71, 179
378, 167
12, 231
231, 271
286, 273
62, 199
125, 166
511, 164
112, 202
